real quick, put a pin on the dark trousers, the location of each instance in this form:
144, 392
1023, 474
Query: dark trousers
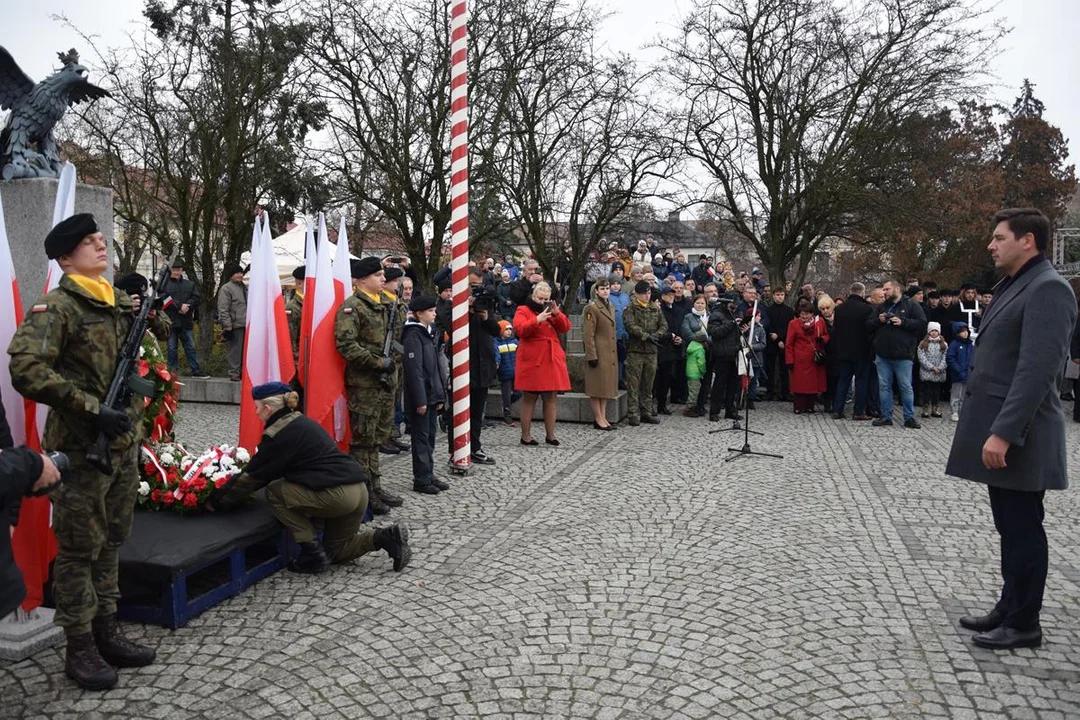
931, 393
705, 387
725, 386
873, 397
423, 445
777, 372
509, 395
846, 370
662, 384
679, 388
1018, 517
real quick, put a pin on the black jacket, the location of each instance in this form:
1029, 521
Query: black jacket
482, 370
668, 350
723, 333
897, 343
423, 381
849, 337
181, 291
780, 315
521, 290
299, 452
19, 469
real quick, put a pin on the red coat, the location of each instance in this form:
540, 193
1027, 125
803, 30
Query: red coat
541, 360
807, 378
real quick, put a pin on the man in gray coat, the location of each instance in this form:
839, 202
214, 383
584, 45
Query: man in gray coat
1011, 434
232, 314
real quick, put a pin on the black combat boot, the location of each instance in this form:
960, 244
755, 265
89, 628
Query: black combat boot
85, 665
389, 448
377, 506
116, 649
395, 541
389, 498
312, 558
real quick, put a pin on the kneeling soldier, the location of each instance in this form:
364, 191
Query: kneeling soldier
64, 356
306, 476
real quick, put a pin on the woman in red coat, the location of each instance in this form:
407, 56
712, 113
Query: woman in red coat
541, 360
806, 333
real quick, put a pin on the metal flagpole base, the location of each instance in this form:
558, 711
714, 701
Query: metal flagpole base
28, 634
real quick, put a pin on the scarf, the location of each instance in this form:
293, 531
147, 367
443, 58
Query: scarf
99, 288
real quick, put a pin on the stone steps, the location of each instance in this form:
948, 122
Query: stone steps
215, 390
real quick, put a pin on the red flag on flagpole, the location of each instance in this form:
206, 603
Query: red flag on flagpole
303, 371
327, 368
267, 348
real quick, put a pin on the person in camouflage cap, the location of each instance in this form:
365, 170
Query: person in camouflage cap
360, 330
64, 356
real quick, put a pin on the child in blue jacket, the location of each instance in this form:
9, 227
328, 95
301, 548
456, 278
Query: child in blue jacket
505, 361
958, 358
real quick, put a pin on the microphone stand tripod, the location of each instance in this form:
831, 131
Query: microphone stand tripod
745, 450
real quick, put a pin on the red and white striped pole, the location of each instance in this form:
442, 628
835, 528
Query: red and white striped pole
459, 228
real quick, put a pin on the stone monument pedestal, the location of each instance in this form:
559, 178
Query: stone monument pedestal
20, 638
28, 211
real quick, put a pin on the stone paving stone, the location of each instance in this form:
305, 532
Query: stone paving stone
630, 575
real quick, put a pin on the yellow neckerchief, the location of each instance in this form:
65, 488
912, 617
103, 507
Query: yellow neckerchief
392, 296
641, 304
372, 296
299, 294
99, 289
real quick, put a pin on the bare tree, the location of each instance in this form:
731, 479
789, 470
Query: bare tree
794, 107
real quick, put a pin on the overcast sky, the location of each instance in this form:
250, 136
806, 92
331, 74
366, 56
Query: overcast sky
1043, 46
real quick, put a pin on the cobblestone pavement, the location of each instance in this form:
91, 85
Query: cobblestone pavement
632, 575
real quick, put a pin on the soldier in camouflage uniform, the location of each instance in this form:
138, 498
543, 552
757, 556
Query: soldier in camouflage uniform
392, 444
360, 331
64, 356
643, 322
294, 312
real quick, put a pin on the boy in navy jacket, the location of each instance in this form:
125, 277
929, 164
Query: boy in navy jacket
958, 359
505, 361
424, 395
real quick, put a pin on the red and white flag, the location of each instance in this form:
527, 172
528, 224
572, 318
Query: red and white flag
327, 369
267, 348
342, 290
303, 371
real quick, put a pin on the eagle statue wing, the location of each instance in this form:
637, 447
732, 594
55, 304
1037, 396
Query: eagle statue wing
85, 91
14, 84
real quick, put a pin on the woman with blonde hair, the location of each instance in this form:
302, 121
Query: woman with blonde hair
306, 476
540, 369
601, 353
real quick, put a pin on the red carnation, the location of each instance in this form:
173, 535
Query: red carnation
199, 484
190, 501
221, 481
169, 499
156, 496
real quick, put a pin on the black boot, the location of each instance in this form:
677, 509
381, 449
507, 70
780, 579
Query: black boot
377, 506
85, 665
395, 541
116, 649
312, 558
389, 448
389, 498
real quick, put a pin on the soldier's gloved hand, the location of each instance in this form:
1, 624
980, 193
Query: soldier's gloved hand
387, 365
112, 422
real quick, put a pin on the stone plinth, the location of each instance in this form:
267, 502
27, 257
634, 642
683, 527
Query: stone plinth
573, 407
19, 639
28, 210
214, 390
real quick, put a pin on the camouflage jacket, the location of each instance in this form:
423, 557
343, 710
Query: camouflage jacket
640, 323
64, 356
397, 349
294, 313
360, 330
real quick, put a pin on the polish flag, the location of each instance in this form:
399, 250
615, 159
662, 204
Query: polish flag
342, 290
327, 368
267, 349
309, 290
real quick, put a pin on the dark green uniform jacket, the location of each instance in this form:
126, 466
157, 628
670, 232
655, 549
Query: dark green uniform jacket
360, 330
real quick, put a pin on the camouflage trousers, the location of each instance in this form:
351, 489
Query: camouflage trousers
371, 414
640, 373
92, 517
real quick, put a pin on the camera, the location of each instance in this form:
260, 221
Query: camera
889, 317
484, 298
60, 460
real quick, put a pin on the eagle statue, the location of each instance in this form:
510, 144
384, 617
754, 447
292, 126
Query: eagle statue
35, 110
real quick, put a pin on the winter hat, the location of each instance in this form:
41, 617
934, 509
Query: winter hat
503, 324
421, 303
932, 326
68, 233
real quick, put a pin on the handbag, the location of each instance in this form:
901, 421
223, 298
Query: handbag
820, 356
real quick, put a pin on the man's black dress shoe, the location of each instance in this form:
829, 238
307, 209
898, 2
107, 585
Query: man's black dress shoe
1007, 638
983, 623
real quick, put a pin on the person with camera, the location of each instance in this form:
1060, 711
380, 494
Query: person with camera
804, 353
725, 329
181, 297
64, 356
541, 360
483, 326
232, 314
897, 326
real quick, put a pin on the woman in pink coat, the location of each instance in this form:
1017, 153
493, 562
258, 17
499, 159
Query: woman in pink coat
541, 360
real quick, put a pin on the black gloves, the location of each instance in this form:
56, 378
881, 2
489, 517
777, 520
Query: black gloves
112, 422
594, 363
226, 334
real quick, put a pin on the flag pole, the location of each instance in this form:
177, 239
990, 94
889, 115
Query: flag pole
461, 459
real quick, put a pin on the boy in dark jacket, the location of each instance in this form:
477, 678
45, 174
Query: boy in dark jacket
506, 346
958, 358
424, 395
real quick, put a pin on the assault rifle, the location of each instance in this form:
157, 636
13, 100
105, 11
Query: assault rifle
126, 378
390, 345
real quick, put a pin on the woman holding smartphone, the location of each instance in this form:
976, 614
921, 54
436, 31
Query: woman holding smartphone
541, 360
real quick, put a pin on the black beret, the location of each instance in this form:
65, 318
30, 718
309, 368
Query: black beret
642, 287
444, 284
933, 295
365, 266
299, 273
393, 273
270, 389
178, 263
421, 303
133, 284
913, 291
233, 269
68, 233
967, 286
